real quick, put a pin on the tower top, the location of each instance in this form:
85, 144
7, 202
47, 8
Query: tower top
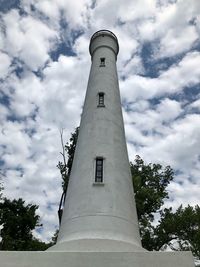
104, 38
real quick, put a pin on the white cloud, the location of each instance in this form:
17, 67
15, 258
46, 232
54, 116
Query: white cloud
75, 13
169, 109
170, 27
50, 9
147, 126
134, 65
182, 193
166, 132
28, 39
173, 80
128, 47
5, 64
65, 92
178, 146
175, 42
3, 113
195, 104
137, 10
25, 93
181, 75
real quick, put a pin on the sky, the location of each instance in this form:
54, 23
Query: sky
44, 68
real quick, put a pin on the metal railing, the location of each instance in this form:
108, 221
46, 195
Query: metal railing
106, 32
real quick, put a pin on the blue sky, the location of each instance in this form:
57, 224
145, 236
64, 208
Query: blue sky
44, 68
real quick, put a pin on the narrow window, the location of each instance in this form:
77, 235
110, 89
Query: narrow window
102, 62
101, 99
99, 170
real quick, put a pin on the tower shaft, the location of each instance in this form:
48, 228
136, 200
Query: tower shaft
99, 212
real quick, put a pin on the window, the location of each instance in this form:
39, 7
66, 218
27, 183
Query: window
102, 62
101, 99
99, 170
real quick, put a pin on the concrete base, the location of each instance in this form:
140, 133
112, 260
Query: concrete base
97, 259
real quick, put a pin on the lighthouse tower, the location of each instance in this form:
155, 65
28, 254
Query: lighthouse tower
99, 212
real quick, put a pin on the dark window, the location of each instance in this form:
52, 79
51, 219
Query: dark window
101, 100
102, 61
99, 170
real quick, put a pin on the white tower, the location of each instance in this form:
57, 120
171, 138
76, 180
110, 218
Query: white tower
99, 212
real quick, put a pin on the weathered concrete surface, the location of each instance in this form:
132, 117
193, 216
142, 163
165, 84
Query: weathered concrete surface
96, 259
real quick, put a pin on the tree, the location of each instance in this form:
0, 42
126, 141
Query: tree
150, 186
179, 230
18, 221
69, 149
65, 167
1, 186
54, 238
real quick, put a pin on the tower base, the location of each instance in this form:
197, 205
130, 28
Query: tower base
97, 259
96, 245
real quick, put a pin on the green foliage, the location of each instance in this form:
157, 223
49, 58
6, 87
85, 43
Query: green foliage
70, 149
181, 226
37, 245
150, 182
54, 238
180, 230
18, 220
65, 168
1, 189
1, 185
64, 174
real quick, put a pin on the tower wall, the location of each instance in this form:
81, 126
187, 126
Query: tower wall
100, 216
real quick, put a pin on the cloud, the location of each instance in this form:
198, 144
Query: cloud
169, 109
195, 104
175, 42
41, 93
147, 125
65, 91
170, 81
182, 193
28, 39
74, 13
25, 93
172, 26
5, 64
176, 145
